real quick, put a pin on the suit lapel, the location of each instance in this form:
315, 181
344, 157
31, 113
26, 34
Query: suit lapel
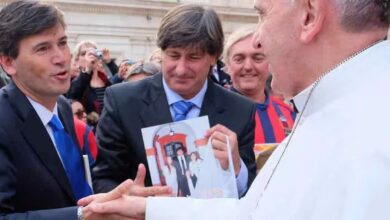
156, 108
35, 133
212, 104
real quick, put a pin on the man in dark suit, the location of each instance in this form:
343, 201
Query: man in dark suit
181, 164
41, 172
219, 76
191, 41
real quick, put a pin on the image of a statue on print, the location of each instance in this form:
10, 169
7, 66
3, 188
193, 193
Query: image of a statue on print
179, 156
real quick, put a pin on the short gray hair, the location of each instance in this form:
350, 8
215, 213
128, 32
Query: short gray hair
191, 26
363, 15
236, 36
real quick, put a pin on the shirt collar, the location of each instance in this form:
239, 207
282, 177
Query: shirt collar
262, 106
44, 114
300, 99
173, 97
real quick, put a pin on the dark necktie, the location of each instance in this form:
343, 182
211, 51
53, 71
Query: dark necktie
182, 165
181, 109
71, 159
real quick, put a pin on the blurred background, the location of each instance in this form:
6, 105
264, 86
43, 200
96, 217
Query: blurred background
128, 27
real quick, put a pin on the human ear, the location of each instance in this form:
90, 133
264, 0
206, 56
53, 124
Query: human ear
7, 63
312, 19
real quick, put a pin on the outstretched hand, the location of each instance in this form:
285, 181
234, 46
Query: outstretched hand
129, 187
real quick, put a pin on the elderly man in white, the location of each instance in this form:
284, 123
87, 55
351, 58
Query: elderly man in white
331, 57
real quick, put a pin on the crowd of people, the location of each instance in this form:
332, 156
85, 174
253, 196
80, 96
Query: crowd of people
297, 149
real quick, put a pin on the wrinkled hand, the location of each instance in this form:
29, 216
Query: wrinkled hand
218, 135
128, 187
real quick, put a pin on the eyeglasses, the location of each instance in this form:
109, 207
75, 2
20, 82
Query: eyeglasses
79, 113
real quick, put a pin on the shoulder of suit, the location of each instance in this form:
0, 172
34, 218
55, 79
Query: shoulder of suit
230, 96
130, 86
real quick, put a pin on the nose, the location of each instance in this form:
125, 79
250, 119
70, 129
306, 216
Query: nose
256, 39
248, 64
60, 56
181, 67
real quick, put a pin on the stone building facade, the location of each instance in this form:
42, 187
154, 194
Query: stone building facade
128, 27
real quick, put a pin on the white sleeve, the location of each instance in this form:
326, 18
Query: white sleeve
159, 208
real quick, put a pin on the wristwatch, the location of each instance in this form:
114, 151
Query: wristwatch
80, 213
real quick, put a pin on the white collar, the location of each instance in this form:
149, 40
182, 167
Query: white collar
44, 114
336, 81
173, 97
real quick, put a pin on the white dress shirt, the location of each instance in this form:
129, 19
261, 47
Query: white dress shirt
197, 100
46, 115
337, 164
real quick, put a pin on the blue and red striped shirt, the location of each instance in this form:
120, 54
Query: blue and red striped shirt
273, 122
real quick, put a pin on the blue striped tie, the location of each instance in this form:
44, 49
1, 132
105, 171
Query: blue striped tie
71, 159
180, 109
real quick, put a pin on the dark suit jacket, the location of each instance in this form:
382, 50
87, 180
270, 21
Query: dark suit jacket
33, 182
130, 107
182, 178
223, 78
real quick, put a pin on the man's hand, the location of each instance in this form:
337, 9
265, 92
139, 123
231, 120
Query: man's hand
106, 55
218, 135
128, 206
128, 187
139, 189
118, 192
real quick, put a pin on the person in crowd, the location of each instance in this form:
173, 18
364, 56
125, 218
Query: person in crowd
123, 70
4, 79
84, 133
219, 76
78, 111
331, 56
248, 68
191, 40
142, 70
34, 117
74, 69
41, 172
88, 88
155, 56
92, 120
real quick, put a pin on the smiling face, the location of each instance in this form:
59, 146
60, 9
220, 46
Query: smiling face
248, 67
185, 70
41, 70
278, 36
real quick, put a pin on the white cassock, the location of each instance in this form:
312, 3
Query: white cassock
337, 165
